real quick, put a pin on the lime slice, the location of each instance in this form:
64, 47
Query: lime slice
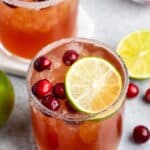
135, 51
92, 85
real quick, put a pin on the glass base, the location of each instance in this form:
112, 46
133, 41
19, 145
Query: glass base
7, 53
13, 64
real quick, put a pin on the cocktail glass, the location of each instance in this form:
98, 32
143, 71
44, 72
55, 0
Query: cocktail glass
66, 129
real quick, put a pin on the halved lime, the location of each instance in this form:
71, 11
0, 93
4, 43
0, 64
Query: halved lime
92, 85
135, 51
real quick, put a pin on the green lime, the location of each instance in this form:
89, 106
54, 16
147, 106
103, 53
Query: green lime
6, 98
88, 82
135, 51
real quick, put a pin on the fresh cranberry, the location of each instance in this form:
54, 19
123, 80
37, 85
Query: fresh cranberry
70, 57
42, 88
141, 134
51, 102
70, 108
147, 96
10, 5
59, 90
133, 90
42, 63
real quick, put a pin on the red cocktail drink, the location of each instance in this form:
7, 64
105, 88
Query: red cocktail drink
57, 125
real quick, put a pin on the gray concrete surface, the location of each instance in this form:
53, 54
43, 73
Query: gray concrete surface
113, 20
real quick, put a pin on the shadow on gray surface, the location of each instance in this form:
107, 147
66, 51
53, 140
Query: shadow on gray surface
16, 134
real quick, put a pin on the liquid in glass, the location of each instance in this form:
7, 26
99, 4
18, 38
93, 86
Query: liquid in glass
26, 26
67, 129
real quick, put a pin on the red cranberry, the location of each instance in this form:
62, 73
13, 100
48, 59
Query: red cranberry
42, 63
51, 102
147, 96
141, 134
42, 88
59, 90
70, 108
70, 57
133, 90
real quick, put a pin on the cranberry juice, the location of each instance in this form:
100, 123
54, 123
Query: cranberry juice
24, 30
56, 125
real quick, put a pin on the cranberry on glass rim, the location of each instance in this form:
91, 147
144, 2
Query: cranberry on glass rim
42, 88
70, 57
133, 90
141, 134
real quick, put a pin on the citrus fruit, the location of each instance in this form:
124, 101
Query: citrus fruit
92, 85
6, 98
135, 51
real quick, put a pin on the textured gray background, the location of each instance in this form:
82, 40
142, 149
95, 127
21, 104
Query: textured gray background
113, 19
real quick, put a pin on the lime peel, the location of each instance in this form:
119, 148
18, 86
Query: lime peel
135, 51
88, 82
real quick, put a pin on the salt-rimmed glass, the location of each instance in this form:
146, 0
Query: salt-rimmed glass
26, 26
81, 132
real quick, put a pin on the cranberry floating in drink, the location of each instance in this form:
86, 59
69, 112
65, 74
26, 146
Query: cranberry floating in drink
42, 88
70, 57
42, 63
83, 106
59, 90
51, 102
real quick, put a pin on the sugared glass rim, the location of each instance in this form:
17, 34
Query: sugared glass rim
73, 118
33, 5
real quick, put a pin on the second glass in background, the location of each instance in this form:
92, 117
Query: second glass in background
25, 27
